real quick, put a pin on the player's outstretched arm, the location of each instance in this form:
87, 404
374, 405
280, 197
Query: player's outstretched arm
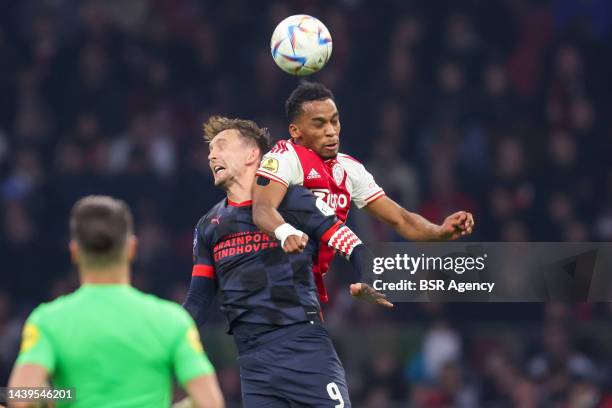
27, 375
414, 227
267, 196
348, 244
361, 260
319, 220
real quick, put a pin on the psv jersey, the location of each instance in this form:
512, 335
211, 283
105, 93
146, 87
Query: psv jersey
258, 282
338, 181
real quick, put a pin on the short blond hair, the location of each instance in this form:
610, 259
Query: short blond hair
247, 129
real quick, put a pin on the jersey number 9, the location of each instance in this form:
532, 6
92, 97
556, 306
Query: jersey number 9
334, 393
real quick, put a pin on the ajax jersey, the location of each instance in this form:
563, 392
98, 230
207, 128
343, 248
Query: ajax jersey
338, 181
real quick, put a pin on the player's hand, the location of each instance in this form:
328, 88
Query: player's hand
365, 292
457, 225
295, 244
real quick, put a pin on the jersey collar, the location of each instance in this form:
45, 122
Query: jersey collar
242, 204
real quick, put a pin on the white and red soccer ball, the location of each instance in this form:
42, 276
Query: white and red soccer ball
301, 45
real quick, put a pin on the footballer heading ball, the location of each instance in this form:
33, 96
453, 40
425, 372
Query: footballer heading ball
301, 45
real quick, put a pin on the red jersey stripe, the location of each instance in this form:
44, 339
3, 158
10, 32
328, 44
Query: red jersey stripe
331, 231
206, 271
375, 196
242, 204
272, 177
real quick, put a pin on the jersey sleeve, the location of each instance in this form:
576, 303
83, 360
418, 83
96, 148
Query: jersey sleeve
203, 262
189, 359
203, 286
361, 183
281, 164
308, 213
317, 219
36, 347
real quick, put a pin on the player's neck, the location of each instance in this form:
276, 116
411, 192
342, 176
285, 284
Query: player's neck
119, 275
239, 196
241, 190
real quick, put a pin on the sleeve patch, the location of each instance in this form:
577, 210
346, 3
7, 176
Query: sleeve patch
31, 335
195, 241
270, 164
193, 337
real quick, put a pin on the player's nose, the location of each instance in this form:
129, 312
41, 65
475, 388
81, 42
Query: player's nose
330, 131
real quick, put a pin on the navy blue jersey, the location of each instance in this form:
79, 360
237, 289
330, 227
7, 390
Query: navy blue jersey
259, 282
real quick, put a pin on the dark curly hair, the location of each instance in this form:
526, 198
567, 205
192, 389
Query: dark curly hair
305, 92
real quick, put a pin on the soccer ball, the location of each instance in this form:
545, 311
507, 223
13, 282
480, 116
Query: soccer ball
301, 45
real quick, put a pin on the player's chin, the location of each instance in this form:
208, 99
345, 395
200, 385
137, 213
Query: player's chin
328, 153
221, 181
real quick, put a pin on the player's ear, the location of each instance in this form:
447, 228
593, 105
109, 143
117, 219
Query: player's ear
74, 251
294, 131
132, 248
254, 157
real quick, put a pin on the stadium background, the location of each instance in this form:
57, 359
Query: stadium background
499, 107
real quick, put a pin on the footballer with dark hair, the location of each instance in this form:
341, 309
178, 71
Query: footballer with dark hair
311, 158
107, 341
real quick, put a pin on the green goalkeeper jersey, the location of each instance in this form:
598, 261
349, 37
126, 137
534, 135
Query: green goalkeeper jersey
116, 346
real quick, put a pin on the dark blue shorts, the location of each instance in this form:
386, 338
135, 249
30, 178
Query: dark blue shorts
295, 366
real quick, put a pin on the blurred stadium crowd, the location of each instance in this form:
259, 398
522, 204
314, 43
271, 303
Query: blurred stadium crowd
500, 107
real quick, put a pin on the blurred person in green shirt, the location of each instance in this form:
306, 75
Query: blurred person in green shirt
114, 345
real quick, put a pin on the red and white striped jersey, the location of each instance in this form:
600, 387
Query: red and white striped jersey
338, 181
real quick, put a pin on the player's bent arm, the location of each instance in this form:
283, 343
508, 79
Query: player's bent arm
27, 375
267, 196
204, 392
409, 225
